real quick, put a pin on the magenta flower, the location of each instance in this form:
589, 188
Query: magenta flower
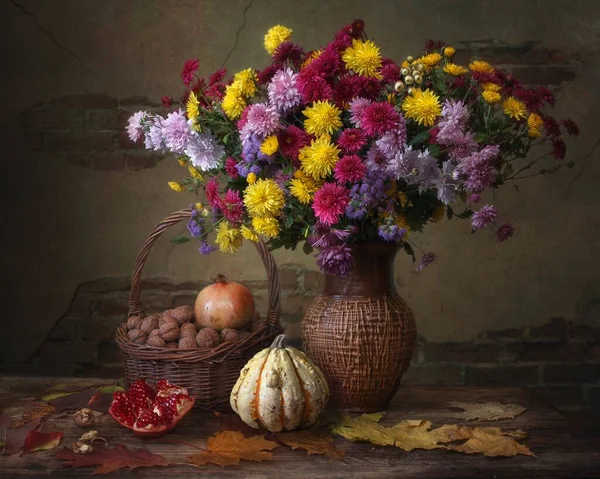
357, 106
349, 169
352, 140
426, 260
505, 231
233, 207
484, 217
283, 93
188, 71
330, 202
262, 119
379, 118
336, 260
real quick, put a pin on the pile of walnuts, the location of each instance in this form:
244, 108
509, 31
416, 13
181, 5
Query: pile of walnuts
176, 328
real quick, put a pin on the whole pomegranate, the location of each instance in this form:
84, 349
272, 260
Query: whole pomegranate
151, 411
224, 304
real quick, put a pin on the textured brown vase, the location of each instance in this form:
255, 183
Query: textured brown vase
360, 332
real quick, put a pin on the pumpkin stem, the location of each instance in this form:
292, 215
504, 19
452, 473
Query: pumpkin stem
278, 342
220, 278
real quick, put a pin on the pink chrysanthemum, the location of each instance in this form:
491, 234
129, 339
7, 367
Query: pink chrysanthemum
288, 52
212, 193
189, 70
135, 127
330, 202
349, 169
484, 217
291, 140
262, 119
283, 92
232, 207
176, 131
357, 107
379, 118
231, 168
352, 140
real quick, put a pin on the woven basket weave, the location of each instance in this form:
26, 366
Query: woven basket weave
208, 374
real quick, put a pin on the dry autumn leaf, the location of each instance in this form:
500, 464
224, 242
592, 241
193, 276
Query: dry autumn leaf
227, 448
486, 411
41, 441
364, 428
313, 442
491, 444
14, 437
113, 459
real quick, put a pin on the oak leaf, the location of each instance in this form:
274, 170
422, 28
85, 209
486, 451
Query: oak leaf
486, 411
41, 441
112, 459
227, 448
491, 442
313, 442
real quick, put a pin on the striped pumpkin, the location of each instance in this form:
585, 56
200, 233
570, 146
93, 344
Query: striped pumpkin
279, 389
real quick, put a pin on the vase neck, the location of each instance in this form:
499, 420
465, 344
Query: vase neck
372, 274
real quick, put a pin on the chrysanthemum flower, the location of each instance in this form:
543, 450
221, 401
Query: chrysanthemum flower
246, 82
351, 140
266, 225
357, 106
505, 231
233, 102
449, 52
291, 140
430, 60
559, 149
135, 129
350, 169
188, 71
310, 57
212, 193
319, 158
229, 239
491, 96
390, 71
514, 108
232, 207
283, 92
249, 234
264, 198
303, 189
336, 260
426, 260
288, 52
491, 87
484, 217
330, 203
422, 106
175, 186
345, 89
481, 67
571, 127
363, 57
313, 87
265, 75
230, 168
204, 151
322, 118
192, 106
262, 119
275, 36
379, 118
270, 145
454, 69
251, 178
535, 124
176, 131
393, 141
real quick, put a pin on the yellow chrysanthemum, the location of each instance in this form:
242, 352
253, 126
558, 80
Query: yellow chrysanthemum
438, 214
363, 58
192, 106
319, 158
176, 186
491, 87
514, 108
491, 96
276, 36
311, 57
302, 190
323, 117
267, 226
430, 60
454, 69
404, 64
481, 66
229, 239
249, 234
264, 198
194, 173
449, 52
245, 80
422, 106
270, 145
251, 178
233, 102
535, 124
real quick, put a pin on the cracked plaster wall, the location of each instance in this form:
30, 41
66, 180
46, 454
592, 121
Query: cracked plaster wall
65, 225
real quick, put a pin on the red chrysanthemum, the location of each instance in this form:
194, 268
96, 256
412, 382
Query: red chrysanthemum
458, 82
352, 140
288, 52
531, 98
546, 95
216, 91
347, 88
232, 207
189, 70
217, 77
327, 64
551, 127
390, 71
559, 149
434, 45
378, 118
231, 168
349, 169
330, 203
356, 29
571, 127
291, 140
485, 77
265, 75
370, 88
166, 100
212, 194
313, 88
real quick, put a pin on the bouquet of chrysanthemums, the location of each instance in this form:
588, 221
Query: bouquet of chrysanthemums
340, 146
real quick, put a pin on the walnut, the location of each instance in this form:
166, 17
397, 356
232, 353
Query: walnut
187, 342
229, 335
183, 314
86, 417
242, 334
167, 318
81, 448
155, 340
134, 322
188, 329
150, 323
137, 336
171, 345
169, 331
207, 338
154, 332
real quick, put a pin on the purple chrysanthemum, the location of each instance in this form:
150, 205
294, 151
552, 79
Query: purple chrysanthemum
336, 260
484, 217
392, 142
204, 151
377, 163
426, 260
475, 198
176, 131
478, 169
135, 126
406, 161
262, 119
451, 126
206, 248
324, 236
283, 93
357, 107
505, 231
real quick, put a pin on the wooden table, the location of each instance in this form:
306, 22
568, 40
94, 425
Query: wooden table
563, 449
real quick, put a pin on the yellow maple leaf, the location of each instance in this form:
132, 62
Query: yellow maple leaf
486, 411
312, 442
364, 428
491, 444
227, 448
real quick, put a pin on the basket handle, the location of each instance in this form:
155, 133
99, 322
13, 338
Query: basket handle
135, 301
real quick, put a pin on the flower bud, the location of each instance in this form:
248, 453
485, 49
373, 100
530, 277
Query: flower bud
410, 58
399, 86
404, 71
418, 79
409, 80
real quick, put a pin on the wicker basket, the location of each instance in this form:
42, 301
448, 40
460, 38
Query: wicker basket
208, 374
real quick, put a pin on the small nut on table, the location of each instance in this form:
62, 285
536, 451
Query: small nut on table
81, 448
84, 417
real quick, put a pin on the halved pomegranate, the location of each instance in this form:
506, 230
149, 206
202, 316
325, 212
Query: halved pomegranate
151, 412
